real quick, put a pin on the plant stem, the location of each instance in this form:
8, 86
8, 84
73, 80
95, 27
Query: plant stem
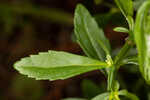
113, 70
123, 53
111, 75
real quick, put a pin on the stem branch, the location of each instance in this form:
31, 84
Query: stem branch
113, 70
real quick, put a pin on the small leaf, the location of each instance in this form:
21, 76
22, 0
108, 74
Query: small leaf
121, 29
142, 39
88, 34
103, 96
55, 65
74, 99
128, 95
130, 60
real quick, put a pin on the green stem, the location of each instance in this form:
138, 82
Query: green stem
111, 77
123, 53
113, 70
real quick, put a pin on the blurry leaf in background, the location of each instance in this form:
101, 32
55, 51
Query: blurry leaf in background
103, 19
54, 65
73, 37
110, 18
74, 99
97, 2
103, 96
128, 95
149, 96
24, 88
51, 14
90, 89
138, 3
90, 37
8, 20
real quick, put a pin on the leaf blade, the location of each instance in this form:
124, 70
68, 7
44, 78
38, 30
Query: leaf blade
103, 96
142, 37
55, 65
126, 7
90, 89
121, 29
74, 99
88, 33
128, 94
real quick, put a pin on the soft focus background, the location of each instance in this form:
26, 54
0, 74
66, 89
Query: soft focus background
32, 26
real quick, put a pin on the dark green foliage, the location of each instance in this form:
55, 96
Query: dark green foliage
54, 65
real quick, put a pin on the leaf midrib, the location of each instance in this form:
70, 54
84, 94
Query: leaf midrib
53, 67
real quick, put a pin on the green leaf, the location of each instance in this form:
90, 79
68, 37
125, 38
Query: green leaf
142, 39
121, 29
103, 96
128, 95
89, 35
23, 86
55, 65
126, 7
138, 3
130, 22
123, 53
97, 2
116, 85
74, 99
51, 14
90, 89
113, 17
130, 60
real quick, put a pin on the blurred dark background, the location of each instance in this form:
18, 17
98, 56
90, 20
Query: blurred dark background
32, 26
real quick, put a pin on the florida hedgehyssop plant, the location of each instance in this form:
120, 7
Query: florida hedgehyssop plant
55, 65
